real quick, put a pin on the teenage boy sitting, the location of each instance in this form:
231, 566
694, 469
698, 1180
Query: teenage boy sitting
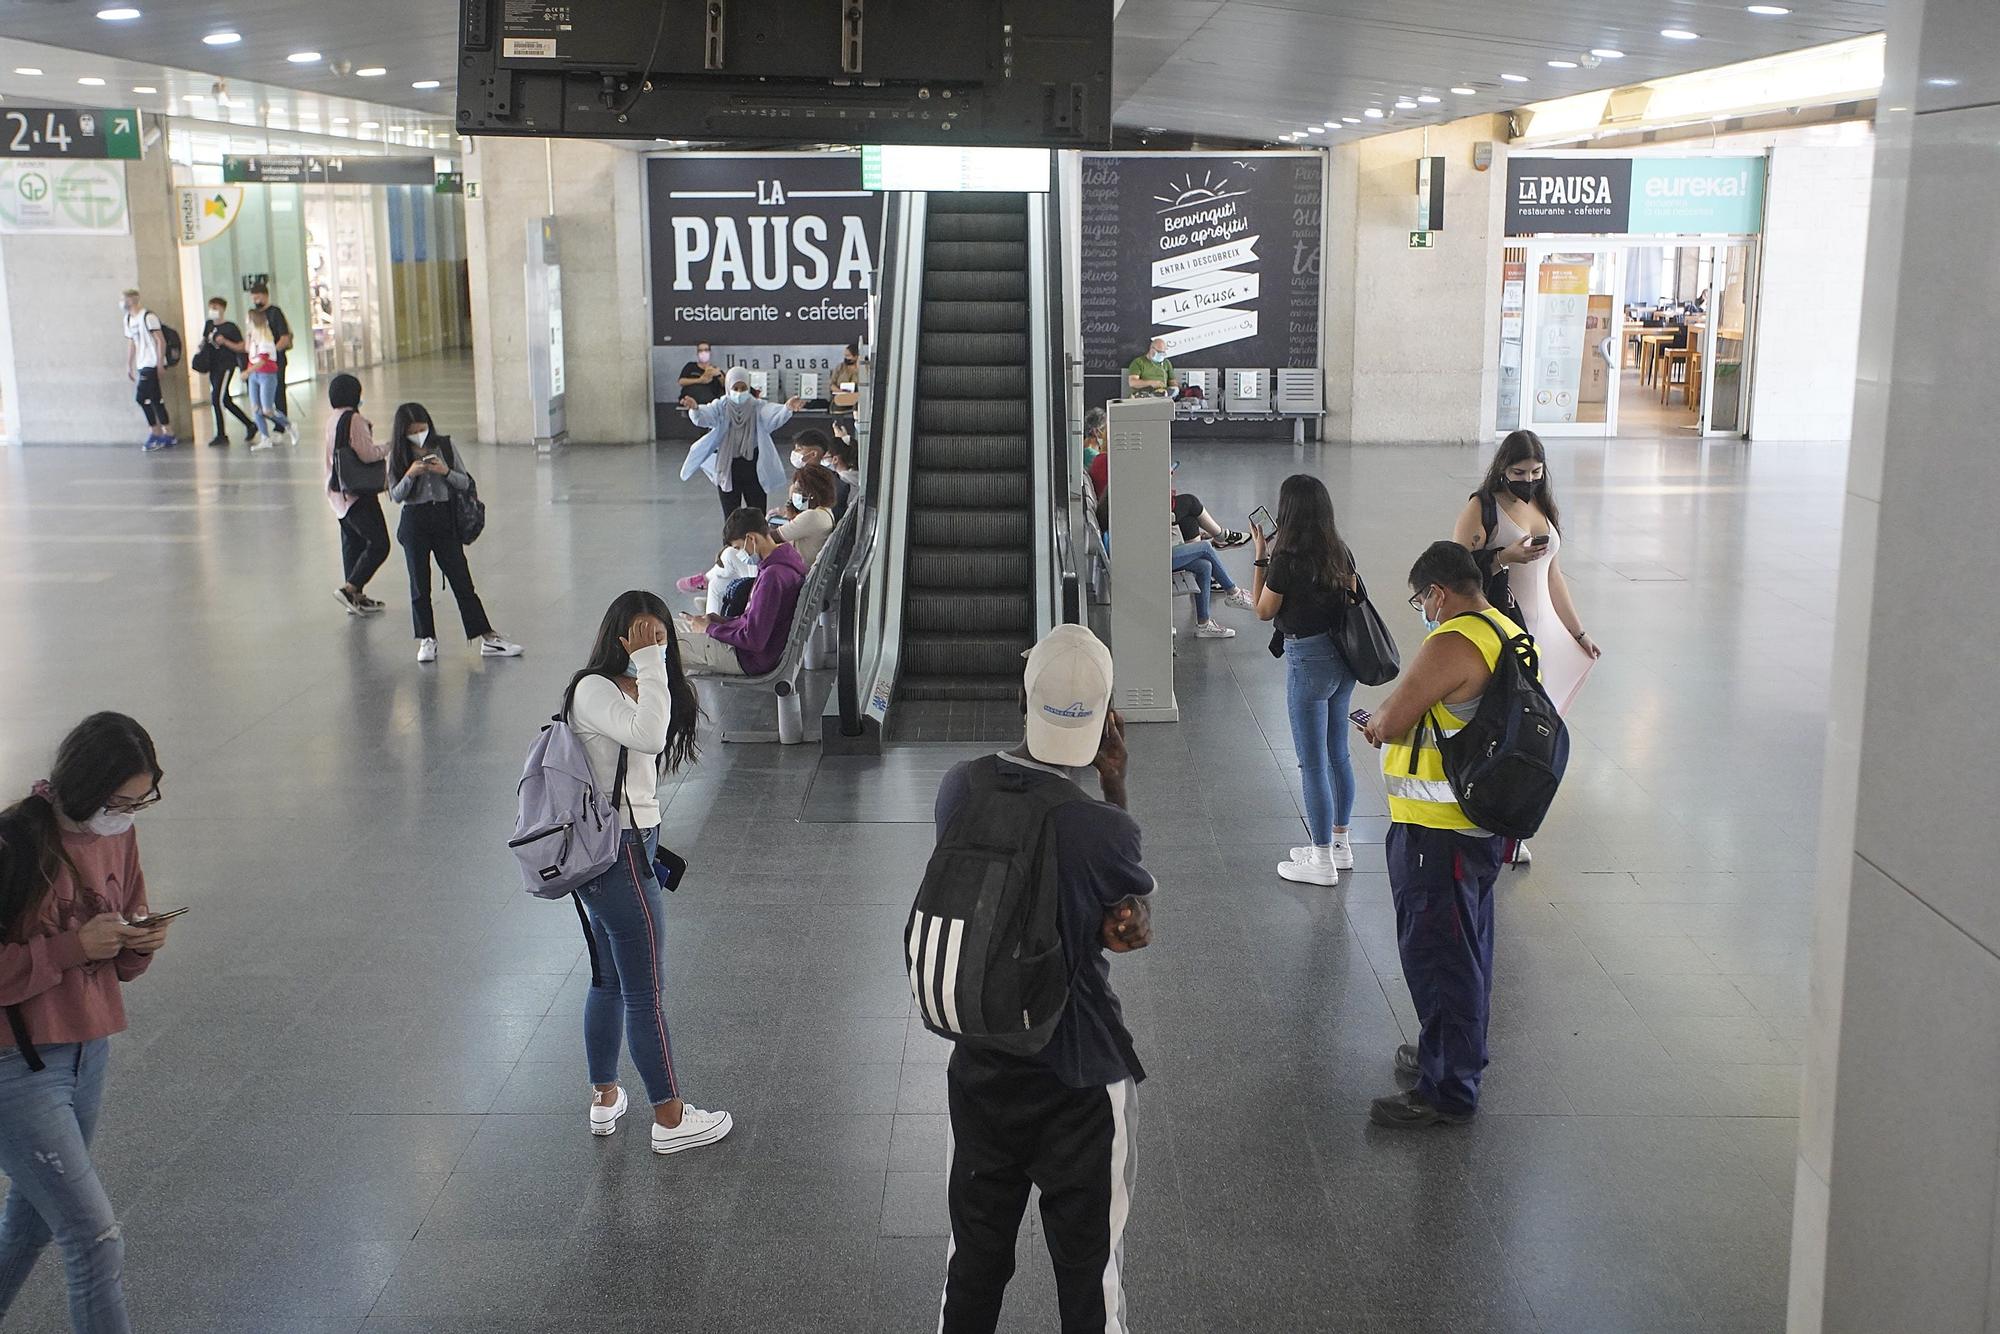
750, 644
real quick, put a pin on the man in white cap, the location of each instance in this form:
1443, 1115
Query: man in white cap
1061, 1119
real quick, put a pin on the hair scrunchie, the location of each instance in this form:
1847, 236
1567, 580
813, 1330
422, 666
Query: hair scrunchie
44, 791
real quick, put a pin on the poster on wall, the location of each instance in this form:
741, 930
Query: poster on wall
205, 212
1218, 254
1513, 297
768, 257
1562, 295
63, 198
1598, 195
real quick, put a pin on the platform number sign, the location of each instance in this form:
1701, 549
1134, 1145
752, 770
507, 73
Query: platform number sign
67, 132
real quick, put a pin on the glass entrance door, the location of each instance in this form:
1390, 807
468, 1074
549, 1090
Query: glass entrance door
1724, 368
1573, 331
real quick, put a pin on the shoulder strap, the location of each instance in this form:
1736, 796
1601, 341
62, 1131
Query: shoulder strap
342, 429
1489, 515
21, 1040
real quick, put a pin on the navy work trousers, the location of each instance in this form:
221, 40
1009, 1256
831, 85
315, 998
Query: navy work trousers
1442, 882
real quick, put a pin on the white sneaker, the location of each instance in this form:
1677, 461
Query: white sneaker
427, 650
1210, 630
1241, 598
261, 443
496, 647
696, 1129
291, 435
1340, 852
1521, 855
1315, 868
603, 1120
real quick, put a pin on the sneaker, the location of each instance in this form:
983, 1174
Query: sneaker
1240, 597
1210, 630
1311, 869
220, 442
1410, 1110
693, 583
1230, 538
261, 443
603, 1120
347, 600
291, 434
696, 1129
427, 650
1521, 855
1406, 1061
1340, 852
367, 605
155, 442
493, 646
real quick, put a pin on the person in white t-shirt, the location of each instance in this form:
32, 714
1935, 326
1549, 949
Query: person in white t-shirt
145, 354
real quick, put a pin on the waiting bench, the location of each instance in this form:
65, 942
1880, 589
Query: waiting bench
801, 648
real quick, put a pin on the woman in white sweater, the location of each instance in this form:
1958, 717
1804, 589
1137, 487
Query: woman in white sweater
635, 712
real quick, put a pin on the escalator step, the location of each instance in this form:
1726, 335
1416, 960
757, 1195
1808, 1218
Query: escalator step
953, 567
973, 349
956, 490
975, 227
974, 453
970, 611
971, 528
978, 285
975, 257
942, 316
965, 688
957, 655
972, 416
936, 383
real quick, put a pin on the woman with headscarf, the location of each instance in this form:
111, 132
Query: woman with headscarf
737, 452
355, 492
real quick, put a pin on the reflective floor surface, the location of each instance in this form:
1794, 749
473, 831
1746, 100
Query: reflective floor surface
352, 1096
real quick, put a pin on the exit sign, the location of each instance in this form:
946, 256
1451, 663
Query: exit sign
1420, 240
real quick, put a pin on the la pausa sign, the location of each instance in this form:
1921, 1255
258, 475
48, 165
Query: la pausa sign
774, 251
1635, 196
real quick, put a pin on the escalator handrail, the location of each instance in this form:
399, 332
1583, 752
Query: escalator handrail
1070, 599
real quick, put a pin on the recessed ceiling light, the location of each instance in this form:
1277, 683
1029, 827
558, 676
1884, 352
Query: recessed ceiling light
195, 97
1331, 124
1679, 35
1515, 78
1405, 104
1350, 120
371, 125
1562, 64
29, 70
1768, 11
122, 14
145, 88
1607, 53
91, 81
1429, 99
425, 84
1316, 129
1465, 92
1374, 113
1942, 82
224, 38
304, 57
372, 72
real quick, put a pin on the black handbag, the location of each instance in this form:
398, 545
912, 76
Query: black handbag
468, 511
1493, 580
350, 474
1365, 641
203, 360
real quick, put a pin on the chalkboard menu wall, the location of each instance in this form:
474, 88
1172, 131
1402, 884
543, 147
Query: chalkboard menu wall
1217, 253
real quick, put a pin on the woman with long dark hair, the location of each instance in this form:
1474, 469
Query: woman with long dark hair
1305, 582
364, 533
635, 712
71, 892
428, 471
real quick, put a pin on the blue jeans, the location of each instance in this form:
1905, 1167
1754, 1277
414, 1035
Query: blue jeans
628, 919
1199, 559
264, 400
47, 1120
1318, 689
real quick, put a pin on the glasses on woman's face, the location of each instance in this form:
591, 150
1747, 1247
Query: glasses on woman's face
129, 806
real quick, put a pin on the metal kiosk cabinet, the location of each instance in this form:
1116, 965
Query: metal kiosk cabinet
1139, 440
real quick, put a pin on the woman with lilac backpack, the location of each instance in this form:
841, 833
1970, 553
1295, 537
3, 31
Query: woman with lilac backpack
633, 701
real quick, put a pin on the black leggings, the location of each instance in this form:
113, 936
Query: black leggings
429, 530
364, 541
743, 489
218, 399
149, 397
1187, 513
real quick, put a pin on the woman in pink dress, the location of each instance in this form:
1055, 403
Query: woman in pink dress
1514, 515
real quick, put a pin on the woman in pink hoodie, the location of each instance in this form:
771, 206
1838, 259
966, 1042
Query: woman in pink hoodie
74, 927
356, 494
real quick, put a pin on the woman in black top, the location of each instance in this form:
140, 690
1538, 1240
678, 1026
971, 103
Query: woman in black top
224, 342
1306, 581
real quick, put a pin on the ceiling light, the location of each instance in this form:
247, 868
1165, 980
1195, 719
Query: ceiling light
1316, 129
1515, 78
28, 70
122, 14
1429, 99
1942, 82
91, 81
304, 57
1331, 124
1374, 113
339, 120
145, 88
1607, 53
371, 124
1562, 64
195, 97
425, 84
1768, 11
224, 38
372, 72
1350, 120
1679, 35
1465, 92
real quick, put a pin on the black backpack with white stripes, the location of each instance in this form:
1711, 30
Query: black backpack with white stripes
984, 942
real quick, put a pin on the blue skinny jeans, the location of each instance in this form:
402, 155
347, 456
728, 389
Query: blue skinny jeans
1318, 689
1199, 559
628, 918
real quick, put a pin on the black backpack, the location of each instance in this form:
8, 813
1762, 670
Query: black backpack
171, 337
983, 945
1493, 577
1506, 764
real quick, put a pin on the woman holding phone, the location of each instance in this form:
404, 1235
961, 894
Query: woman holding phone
1305, 582
427, 472
635, 711
1513, 515
70, 893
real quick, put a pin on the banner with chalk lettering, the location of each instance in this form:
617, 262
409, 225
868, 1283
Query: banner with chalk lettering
1218, 254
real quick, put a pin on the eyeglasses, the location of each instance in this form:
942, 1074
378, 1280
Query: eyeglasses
119, 806
1417, 600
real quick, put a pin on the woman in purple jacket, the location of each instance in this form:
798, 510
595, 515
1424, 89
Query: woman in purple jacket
750, 644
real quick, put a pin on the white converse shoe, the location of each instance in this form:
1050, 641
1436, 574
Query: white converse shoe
603, 1120
1315, 868
427, 650
1240, 597
260, 444
696, 1129
1210, 630
1340, 851
493, 646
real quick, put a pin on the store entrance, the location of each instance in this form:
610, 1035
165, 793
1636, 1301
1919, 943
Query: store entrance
1682, 365
1571, 331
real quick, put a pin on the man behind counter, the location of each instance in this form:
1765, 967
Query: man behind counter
701, 380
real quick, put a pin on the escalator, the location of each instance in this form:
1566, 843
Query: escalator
970, 609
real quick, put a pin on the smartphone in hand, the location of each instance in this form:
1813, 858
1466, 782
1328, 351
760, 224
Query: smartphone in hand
1360, 718
151, 920
1260, 519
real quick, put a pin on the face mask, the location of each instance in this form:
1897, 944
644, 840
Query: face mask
800, 503
1157, 356
701, 357
631, 669
826, 461
1525, 490
109, 823
798, 458
421, 434
749, 557
215, 315
739, 395
1424, 610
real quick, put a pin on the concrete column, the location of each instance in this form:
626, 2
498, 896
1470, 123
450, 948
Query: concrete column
1415, 333
1899, 1151
62, 336
595, 192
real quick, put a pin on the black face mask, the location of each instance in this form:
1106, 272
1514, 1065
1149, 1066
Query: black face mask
1525, 490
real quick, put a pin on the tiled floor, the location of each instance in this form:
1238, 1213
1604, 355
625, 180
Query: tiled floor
351, 1096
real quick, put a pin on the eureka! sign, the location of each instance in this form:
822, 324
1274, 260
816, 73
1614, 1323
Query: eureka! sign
1634, 196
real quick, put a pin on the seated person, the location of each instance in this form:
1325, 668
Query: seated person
810, 448
1189, 513
1093, 436
1199, 558
847, 382
808, 521
753, 643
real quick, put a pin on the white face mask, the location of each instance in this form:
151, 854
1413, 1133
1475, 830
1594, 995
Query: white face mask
798, 458
109, 823
801, 503
826, 461
215, 315
1157, 356
738, 395
421, 434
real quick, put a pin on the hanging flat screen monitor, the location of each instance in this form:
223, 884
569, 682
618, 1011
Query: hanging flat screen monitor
1027, 73
927, 167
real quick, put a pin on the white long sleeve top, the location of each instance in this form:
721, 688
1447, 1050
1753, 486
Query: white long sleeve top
605, 718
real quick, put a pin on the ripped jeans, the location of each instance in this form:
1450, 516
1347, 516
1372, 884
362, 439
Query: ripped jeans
46, 1123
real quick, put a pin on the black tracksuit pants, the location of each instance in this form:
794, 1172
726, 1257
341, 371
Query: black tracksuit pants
743, 490
426, 531
219, 400
364, 540
1015, 1125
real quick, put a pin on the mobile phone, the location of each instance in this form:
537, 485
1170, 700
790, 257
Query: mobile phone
1360, 717
1540, 541
1260, 519
668, 868
152, 920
